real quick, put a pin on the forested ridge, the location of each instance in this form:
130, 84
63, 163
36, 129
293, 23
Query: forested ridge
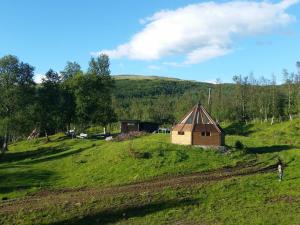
246, 99
82, 99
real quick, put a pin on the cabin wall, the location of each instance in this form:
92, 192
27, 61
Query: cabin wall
127, 127
214, 139
185, 139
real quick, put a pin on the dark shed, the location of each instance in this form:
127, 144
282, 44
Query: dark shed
137, 125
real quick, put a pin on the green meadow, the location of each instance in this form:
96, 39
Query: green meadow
32, 168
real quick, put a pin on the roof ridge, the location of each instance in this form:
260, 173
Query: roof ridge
199, 111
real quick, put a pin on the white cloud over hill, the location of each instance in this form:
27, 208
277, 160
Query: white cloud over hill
203, 31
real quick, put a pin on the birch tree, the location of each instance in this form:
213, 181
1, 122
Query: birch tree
16, 88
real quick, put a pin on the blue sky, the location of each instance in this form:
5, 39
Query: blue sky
187, 39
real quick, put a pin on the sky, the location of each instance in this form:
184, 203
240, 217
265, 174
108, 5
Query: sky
186, 39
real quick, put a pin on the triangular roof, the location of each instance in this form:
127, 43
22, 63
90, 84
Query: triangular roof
198, 115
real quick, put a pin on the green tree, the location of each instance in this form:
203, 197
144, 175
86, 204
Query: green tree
239, 98
290, 90
162, 110
49, 104
67, 91
94, 94
274, 99
17, 91
70, 70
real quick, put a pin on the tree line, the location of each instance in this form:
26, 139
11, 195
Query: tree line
61, 100
82, 99
247, 99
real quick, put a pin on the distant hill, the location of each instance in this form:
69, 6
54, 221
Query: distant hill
142, 77
139, 86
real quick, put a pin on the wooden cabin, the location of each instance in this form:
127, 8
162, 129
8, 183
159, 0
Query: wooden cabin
128, 126
198, 128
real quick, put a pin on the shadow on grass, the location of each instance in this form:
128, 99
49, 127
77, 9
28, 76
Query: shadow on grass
31, 154
62, 138
239, 128
23, 180
40, 155
268, 149
57, 156
115, 215
294, 178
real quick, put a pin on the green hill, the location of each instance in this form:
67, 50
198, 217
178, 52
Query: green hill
165, 100
148, 180
142, 77
138, 86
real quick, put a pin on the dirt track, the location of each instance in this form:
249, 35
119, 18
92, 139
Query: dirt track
48, 198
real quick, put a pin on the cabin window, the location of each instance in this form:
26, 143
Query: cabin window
205, 133
180, 132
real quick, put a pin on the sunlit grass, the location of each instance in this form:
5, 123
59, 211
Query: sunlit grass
65, 163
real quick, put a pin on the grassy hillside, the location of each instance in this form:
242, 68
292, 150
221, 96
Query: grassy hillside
140, 86
48, 175
134, 86
79, 163
142, 77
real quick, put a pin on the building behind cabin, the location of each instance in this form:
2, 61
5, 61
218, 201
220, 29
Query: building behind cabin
128, 126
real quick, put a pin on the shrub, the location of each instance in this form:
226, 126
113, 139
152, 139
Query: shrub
139, 155
239, 145
129, 136
161, 153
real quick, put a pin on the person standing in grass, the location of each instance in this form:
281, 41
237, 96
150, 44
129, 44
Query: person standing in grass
280, 169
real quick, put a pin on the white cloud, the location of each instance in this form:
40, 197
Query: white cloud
38, 78
174, 64
205, 53
210, 81
154, 67
202, 31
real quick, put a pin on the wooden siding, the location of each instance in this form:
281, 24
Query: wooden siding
135, 125
214, 139
127, 127
201, 130
183, 127
185, 139
205, 128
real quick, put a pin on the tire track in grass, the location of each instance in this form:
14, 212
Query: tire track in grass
50, 198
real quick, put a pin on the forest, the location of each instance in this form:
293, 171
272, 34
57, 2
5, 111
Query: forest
247, 99
83, 99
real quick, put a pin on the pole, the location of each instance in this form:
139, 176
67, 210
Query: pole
208, 101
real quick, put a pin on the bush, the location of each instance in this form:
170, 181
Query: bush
139, 155
129, 136
239, 145
161, 153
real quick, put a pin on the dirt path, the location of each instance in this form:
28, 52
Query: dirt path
47, 198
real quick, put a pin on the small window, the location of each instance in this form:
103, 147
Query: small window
180, 132
205, 133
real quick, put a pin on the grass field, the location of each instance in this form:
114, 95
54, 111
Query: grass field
87, 181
